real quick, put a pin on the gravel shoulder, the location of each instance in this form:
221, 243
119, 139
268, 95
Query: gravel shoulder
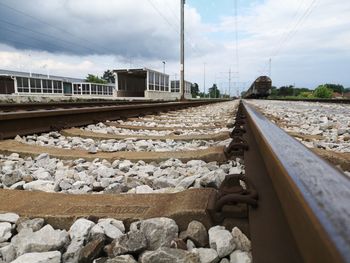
322, 127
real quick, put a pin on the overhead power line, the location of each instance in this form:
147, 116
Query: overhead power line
44, 34
58, 28
30, 37
289, 34
174, 27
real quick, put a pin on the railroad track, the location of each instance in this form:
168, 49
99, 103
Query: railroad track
337, 101
10, 107
42, 120
292, 205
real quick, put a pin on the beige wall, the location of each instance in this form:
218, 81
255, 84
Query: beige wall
165, 95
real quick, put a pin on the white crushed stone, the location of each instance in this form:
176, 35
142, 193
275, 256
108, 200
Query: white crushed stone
121, 176
332, 121
54, 139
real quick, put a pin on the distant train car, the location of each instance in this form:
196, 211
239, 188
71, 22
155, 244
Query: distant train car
261, 88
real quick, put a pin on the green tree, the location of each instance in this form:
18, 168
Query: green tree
285, 91
108, 76
306, 94
214, 92
194, 90
335, 87
95, 79
323, 92
274, 91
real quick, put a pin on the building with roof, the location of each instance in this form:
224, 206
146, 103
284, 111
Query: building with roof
23, 83
143, 83
147, 83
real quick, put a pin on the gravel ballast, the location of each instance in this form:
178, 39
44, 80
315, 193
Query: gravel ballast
100, 176
109, 240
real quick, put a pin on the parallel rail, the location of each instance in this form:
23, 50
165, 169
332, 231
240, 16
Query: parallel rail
314, 197
38, 121
336, 101
8, 107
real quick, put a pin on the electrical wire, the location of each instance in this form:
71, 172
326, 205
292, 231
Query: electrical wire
286, 38
55, 27
44, 34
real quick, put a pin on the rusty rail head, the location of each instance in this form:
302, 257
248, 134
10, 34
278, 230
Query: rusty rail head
315, 197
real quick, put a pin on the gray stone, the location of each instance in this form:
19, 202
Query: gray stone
159, 232
197, 232
225, 260
130, 243
18, 185
122, 259
9, 217
91, 250
96, 232
45, 239
7, 253
125, 165
45, 257
34, 224
169, 255
187, 181
5, 231
213, 178
111, 227
235, 170
92, 149
221, 240
195, 163
42, 174
190, 245
241, 240
240, 257
207, 255
80, 229
12, 178
73, 251
40, 185
143, 189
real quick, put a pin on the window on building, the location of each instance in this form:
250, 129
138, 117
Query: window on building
156, 81
57, 86
86, 89
175, 86
99, 89
93, 89
151, 80
22, 84
166, 84
35, 85
77, 89
110, 90
47, 86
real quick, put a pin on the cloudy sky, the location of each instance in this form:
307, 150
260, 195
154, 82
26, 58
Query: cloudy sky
308, 41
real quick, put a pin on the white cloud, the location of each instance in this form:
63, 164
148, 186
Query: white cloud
318, 52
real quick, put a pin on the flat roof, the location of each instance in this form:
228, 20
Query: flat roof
137, 70
11, 73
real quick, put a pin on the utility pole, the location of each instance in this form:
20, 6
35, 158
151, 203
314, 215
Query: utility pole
204, 79
229, 82
270, 62
182, 49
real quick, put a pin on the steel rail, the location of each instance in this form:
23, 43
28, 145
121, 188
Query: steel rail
7, 107
336, 101
314, 195
29, 122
